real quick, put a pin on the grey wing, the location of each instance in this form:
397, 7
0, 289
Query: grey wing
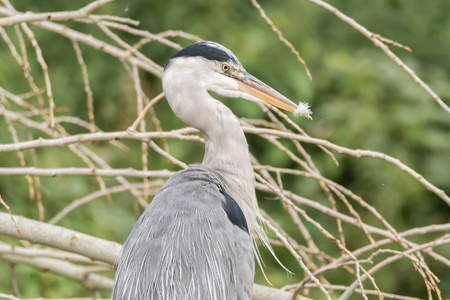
192, 242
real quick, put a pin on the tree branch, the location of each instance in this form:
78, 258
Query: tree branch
356, 153
60, 238
29, 17
83, 244
379, 42
84, 171
77, 273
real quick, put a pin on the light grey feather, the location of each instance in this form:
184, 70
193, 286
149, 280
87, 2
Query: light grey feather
184, 246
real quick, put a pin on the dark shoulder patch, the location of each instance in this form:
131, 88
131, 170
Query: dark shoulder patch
234, 212
206, 50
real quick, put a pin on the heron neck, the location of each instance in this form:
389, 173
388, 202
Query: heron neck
226, 149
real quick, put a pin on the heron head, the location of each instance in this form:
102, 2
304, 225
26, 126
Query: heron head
221, 72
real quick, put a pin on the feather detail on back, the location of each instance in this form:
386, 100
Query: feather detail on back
186, 240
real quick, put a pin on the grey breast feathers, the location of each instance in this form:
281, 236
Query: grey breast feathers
192, 242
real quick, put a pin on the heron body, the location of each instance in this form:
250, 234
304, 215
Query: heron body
183, 250
193, 241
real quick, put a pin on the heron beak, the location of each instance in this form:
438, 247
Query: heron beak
253, 86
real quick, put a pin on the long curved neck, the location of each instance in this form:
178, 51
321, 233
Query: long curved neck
226, 149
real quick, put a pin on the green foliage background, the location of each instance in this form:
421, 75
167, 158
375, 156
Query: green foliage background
360, 99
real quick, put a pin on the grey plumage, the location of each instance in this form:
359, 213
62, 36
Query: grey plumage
184, 249
193, 241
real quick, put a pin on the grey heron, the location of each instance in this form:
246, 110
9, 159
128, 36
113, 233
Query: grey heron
193, 241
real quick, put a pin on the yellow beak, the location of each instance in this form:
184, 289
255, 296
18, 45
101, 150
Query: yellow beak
251, 85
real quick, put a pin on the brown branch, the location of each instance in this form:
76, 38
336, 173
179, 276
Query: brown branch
87, 87
43, 64
21, 158
2, 202
145, 111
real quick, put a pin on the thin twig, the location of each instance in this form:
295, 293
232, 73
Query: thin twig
281, 37
88, 198
43, 64
87, 86
2, 202
144, 112
356, 153
375, 38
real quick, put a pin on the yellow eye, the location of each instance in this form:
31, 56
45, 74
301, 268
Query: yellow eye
225, 67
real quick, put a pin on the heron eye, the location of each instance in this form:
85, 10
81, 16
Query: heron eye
225, 67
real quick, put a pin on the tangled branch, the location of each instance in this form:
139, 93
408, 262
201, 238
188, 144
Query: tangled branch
37, 125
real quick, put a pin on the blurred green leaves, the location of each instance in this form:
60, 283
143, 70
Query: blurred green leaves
360, 100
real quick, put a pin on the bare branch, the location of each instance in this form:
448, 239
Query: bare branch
147, 65
380, 42
86, 245
43, 64
9, 297
49, 253
145, 111
52, 16
369, 292
59, 237
356, 153
63, 268
95, 195
2, 202
87, 87
95, 137
84, 171
389, 260
282, 38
